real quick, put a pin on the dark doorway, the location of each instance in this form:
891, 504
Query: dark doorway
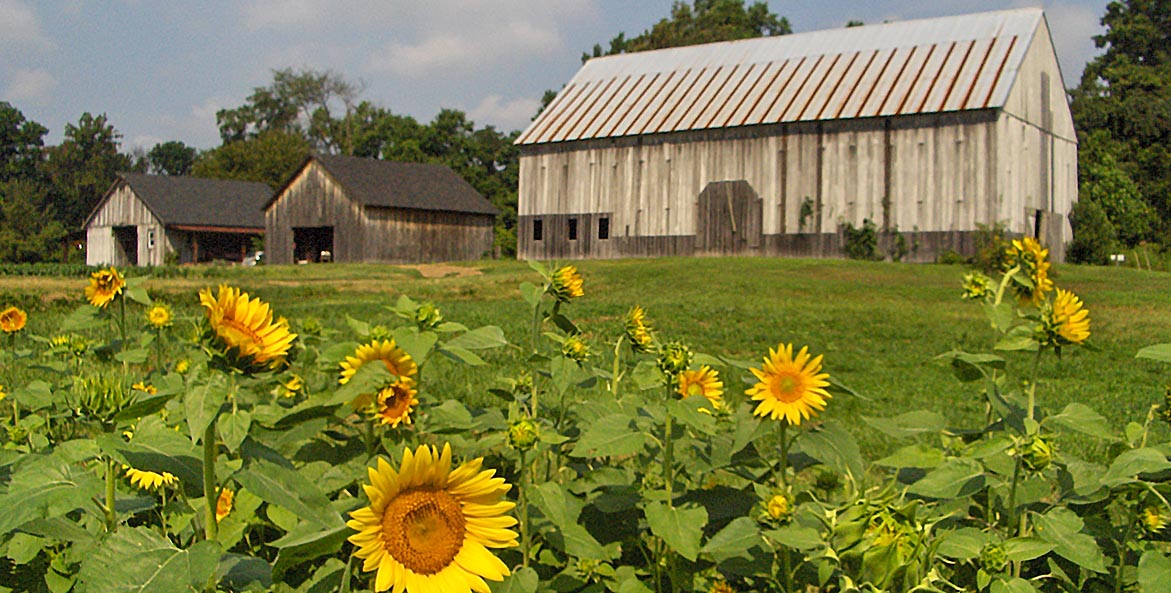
728, 219
313, 244
126, 238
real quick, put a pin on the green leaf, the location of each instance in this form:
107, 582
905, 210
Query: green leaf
1084, 419
575, 540
481, 338
1013, 585
972, 367
1154, 572
450, 416
611, 435
909, 424
157, 450
307, 542
917, 456
1013, 343
796, 536
285, 487
133, 356
1020, 549
556, 504
35, 395
359, 327
531, 293
733, 540
834, 446
957, 476
138, 560
368, 379
203, 404
136, 290
417, 345
522, 580
1000, 316
688, 413
964, 543
233, 428
82, 318
238, 572
646, 375
1062, 528
463, 355
1159, 352
44, 487
680, 527
1127, 466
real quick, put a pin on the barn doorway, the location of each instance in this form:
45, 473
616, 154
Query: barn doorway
313, 244
126, 238
728, 219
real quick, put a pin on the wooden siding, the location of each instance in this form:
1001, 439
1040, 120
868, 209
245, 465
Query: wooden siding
372, 234
122, 208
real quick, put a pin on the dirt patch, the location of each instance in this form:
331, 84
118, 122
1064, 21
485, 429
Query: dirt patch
443, 270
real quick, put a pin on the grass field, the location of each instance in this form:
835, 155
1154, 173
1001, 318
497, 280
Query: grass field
880, 326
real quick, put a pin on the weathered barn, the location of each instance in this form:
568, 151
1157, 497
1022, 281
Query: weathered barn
367, 210
772, 145
149, 220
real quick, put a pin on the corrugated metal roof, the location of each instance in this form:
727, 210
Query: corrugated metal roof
921, 66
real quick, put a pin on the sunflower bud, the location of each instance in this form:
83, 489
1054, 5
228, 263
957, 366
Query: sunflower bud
427, 316
523, 434
98, 397
381, 332
182, 366
566, 284
638, 331
993, 558
1036, 453
574, 348
780, 507
1165, 409
1154, 519
674, 358
977, 287
523, 385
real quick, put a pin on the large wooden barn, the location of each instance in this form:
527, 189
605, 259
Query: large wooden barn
150, 220
349, 209
772, 146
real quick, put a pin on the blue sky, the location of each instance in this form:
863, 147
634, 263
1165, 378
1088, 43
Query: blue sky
160, 69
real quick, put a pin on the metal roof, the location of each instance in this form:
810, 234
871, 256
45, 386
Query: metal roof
921, 66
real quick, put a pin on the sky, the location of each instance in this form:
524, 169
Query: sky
160, 69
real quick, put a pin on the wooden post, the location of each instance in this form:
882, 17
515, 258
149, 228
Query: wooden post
194, 248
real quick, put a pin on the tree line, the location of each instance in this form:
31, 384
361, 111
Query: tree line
1122, 108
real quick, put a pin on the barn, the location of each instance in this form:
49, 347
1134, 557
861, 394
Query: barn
929, 129
151, 220
350, 209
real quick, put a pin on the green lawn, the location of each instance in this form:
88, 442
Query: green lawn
880, 325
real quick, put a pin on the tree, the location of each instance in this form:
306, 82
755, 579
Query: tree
83, 167
28, 229
1093, 234
1126, 94
271, 158
705, 21
1104, 181
301, 101
172, 158
21, 144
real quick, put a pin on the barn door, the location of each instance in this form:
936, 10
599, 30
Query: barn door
728, 219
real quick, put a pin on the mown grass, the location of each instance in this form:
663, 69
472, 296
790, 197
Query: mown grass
879, 325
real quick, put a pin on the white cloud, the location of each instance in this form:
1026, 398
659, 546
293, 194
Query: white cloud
20, 29
31, 86
512, 115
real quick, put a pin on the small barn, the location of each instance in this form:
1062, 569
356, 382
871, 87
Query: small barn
349, 209
150, 220
929, 129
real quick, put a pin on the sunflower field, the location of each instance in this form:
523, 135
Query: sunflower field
147, 450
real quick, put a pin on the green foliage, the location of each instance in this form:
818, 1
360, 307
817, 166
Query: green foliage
270, 158
172, 158
83, 167
861, 243
21, 144
1093, 234
992, 242
1105, 182
28, 230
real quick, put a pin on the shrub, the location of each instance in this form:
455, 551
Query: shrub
861, 243
991, 243
1093, 234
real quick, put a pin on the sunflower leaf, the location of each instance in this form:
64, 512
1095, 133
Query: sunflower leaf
611, 435
203, 404
834, 446
524, 580
680, 527
287, 488
417, 345
481, 338
1159, 352
1154, 571
138, 560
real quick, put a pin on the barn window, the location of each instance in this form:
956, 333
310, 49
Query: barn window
538, 229
572, 229
604, 227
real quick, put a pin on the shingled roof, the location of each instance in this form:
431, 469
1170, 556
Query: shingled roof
193, 201
389, 184
920, 66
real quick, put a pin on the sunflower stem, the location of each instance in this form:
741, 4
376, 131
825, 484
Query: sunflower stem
782, 470
535, 339
369, 438
344, 586
1033, 383
668, 454
210, 493
1130, 523
110, 513
522, 502
617, 366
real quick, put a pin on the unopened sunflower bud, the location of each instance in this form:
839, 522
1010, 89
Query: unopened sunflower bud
574, 348
977, 287
1036, 454
1165, 409
427, 316
993, 558
638, 330
523, 434
1154, 519
674, 358
566, 284
780, 507
381, 332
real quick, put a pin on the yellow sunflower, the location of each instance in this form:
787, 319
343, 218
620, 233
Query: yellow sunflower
246, 325
2, 393
566, 284
223, 504
395, 403
790, 388
397, 361
104, 286
575, 348
12, 320
1033, 261
705, 381
159, 315
145, 388
1070, 318
147, 480
428, 527
638, 330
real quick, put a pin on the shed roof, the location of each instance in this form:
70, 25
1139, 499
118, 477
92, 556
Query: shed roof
390, 184
920, 66
195, 201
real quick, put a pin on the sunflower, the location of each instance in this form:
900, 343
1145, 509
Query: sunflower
977, 287
159, 315
428, 527
638, 331
705, 382
2, 393
1070, 319
145, 388
790, 388
1033, 261
721, 587
290, 387
397, 361
395, 402
246, 326
12, 320
575, 348
223, 504
104, 286
147, 480
566, 284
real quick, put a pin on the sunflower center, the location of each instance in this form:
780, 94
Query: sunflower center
394, 403
694, 389
787, 387
423, 529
